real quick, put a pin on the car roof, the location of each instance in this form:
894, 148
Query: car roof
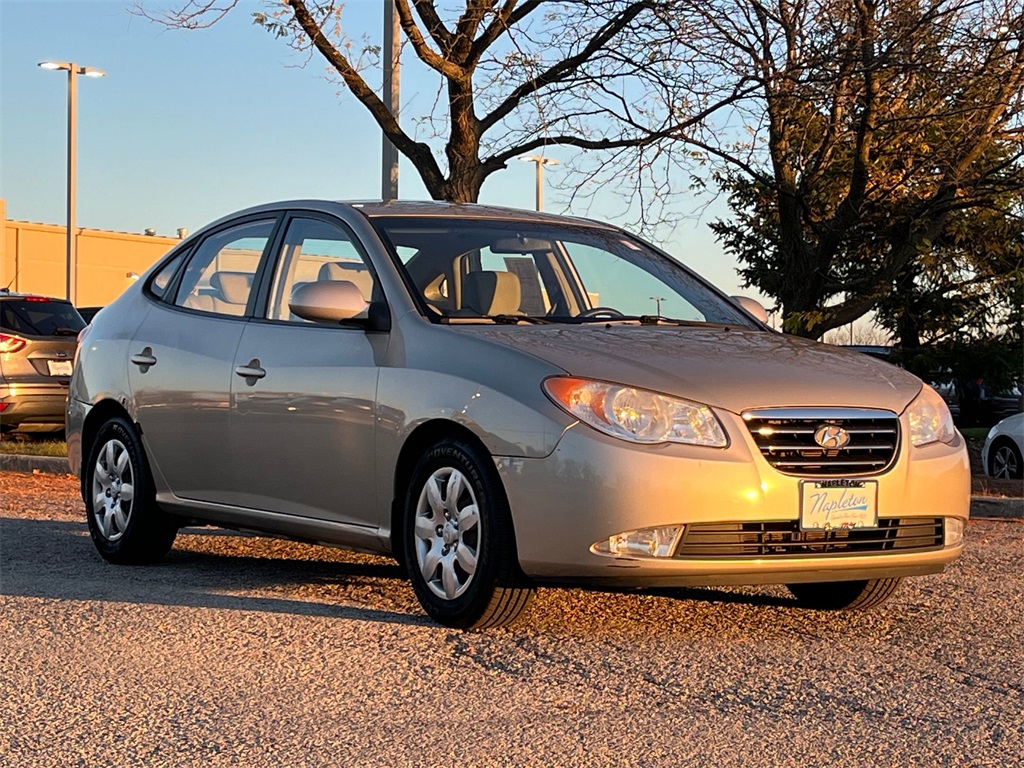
427, 209
7, 294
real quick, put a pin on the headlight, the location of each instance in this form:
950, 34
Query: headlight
634, 414
930, 420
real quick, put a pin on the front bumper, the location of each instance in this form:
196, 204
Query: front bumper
592, 487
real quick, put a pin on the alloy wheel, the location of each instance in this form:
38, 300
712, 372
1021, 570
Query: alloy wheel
1004, 463
447, 533
113, 489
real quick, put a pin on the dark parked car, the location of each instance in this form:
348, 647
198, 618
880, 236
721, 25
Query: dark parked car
88, 313
38, 335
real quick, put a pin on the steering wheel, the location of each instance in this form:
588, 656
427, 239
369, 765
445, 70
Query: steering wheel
598, 311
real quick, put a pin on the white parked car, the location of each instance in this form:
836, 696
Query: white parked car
1004, 447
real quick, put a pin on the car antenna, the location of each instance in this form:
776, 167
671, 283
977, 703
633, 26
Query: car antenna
7, 288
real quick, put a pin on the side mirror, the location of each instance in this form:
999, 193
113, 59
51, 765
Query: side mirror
752, 307
328, 301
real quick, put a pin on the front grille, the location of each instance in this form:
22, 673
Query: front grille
785, 539
785, 438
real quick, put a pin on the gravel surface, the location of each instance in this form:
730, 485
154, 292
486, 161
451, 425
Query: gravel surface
256, 652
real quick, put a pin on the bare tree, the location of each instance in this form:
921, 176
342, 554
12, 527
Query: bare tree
513, 77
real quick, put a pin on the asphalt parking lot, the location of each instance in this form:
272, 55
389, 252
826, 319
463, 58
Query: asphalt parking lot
255, 652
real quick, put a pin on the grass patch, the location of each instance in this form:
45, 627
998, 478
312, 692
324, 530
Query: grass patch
975, 433
35, 447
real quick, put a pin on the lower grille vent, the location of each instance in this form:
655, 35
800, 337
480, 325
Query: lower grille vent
785, 539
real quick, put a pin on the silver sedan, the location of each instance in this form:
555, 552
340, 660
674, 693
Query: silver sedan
501, 399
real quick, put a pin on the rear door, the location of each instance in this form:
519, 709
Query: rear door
180, 367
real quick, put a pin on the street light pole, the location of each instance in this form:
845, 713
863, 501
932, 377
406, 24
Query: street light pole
392, 75
73, 71
541, 161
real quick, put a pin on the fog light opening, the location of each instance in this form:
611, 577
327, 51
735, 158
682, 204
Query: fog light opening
645, 542
953, 531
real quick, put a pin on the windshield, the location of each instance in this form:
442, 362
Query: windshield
38, 316
480, 270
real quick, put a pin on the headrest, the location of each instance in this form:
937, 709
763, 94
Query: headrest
336, 270
491, 293
232, 286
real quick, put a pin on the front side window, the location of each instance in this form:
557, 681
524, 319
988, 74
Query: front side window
314, 250
509, 271
219, 276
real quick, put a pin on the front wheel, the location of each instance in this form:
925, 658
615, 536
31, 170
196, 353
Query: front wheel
124, 522
458, 540
844, 595
1004, 461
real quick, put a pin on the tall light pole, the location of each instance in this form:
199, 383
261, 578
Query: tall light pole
392, 73
73, 71
541, 161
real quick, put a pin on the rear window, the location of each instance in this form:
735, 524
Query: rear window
40, 317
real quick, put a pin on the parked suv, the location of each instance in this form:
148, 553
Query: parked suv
37, 351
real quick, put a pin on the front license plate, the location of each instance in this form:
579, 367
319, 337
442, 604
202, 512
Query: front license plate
59, 367
826, 505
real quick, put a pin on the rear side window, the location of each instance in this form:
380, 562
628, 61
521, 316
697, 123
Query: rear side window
219, 276
40, 317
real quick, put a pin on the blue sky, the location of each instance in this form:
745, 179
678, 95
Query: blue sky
191, 125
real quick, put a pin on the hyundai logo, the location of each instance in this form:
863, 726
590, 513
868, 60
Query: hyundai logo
830, 436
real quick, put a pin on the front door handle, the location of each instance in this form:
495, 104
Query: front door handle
144, 359
251, 371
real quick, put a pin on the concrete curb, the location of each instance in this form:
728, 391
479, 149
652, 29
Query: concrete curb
986, 506
981, 506
50, 465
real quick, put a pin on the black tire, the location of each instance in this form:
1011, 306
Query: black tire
494, 593
1004, 458
134, 534
844, 595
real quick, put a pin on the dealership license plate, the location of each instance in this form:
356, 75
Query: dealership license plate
827, 505
59, 367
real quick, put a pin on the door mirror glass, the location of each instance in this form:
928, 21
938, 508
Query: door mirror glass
328, 301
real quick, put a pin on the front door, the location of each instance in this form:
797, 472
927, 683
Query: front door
304, 394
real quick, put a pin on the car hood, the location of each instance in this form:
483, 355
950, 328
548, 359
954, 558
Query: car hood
726, 368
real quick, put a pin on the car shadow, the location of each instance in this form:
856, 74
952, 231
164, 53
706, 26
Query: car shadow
221, 569
56, 560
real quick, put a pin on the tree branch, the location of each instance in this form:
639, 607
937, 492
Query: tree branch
567, 66
426, 54
418, 152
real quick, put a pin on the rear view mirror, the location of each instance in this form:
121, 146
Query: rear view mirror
520, 245
752, 307
328, 301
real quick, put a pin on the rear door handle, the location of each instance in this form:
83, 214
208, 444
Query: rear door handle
252, 370
144, 359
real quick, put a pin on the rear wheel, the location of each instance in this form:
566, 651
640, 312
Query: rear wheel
844, 595
458, 541
1004, 460
124, 522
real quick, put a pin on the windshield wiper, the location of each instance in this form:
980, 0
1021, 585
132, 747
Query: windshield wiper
650, 320
499, 319
64, 332
515, 319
